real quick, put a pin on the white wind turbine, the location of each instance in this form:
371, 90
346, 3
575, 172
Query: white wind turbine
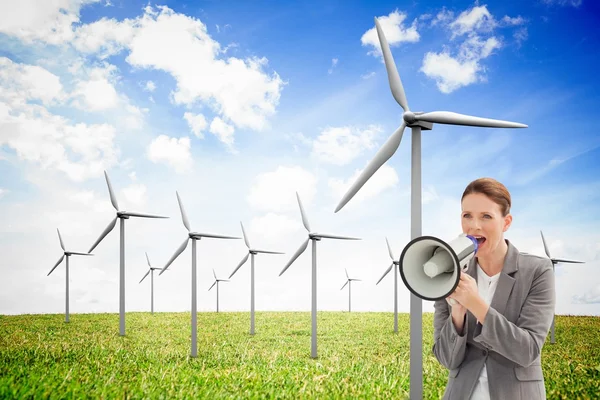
251, 253
122, 216
394, 267
314, 237
349, 283
193, 236
66, 254
216, 282
554, 262
150, 271
417, 121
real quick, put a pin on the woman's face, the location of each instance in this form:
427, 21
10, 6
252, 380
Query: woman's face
482, 218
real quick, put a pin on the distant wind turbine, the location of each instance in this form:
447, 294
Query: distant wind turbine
151, 270
554, 262
251, 253
314, 237
349, 283
394, 266
216, 282
194, 236
416, 121
122, 216
66, 254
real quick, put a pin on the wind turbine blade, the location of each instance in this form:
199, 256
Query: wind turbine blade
80, 254
62, 244
267, 251
245, 237
175, 255
211, 286
353, 279
345, 285
303, 213
240, 264
213, 236
545, 245
347, 277
57, 264
295, 256
564, 260
215, 275
184, 217
223, 280
147, 273
148, 259
329, 236
141, 215
384, 154
106, 231
452, 118
392, 71
113, 198
389, 249
385, 273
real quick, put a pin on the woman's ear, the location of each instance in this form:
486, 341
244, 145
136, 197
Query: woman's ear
507, 222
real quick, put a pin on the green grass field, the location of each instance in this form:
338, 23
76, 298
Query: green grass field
360, 357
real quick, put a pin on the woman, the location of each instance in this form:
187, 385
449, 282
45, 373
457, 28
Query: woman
492, 338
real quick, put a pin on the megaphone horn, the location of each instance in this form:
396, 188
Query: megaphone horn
430, 268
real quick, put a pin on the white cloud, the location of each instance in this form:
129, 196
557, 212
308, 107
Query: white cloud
476, 19
47, 21
385, 177
592, 296
38, 136
334, 62
171, 151
442, 17
22, 82
572, 3
97, 91
368, 75
273, 227
105, 36
341, 145
196, 122
394, 30
135, 194
449, 73
276, 190
150, 86
237, 89
453, 72
3, 192
224, 132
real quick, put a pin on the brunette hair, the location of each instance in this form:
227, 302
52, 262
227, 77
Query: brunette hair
493, 189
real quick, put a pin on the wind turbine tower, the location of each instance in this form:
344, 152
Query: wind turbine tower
194, 236
121, 216
66, 254
554, 262
394, 267
314, 237
251, 253
349, 283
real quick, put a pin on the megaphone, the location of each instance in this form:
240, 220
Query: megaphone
430, 268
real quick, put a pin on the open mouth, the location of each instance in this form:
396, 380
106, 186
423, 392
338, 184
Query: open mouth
480, 239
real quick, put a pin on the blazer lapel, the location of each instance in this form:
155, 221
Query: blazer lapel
505, 281
471, 320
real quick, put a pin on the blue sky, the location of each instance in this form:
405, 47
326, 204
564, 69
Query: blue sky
238, 105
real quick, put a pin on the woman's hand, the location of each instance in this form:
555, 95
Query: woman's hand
466, 293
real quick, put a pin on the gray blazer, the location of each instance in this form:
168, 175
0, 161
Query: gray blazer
511, 338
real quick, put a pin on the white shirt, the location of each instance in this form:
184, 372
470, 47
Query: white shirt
487, 287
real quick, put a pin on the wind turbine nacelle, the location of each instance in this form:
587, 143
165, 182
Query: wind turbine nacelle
430, 268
